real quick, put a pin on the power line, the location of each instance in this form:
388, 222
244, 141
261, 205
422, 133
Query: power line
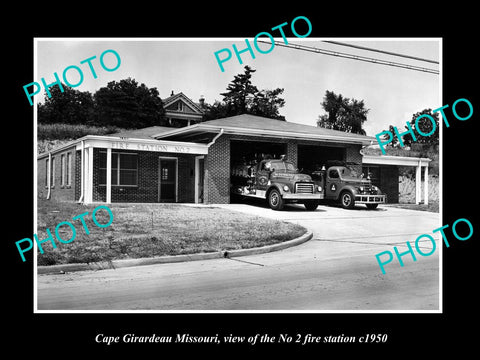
352, 56
382, 51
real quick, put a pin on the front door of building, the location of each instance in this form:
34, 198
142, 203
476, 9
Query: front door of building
167, 180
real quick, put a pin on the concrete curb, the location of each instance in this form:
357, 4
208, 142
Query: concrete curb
115, 264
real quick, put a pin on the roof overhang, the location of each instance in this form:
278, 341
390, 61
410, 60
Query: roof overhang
395, 160
121, 143
203, 128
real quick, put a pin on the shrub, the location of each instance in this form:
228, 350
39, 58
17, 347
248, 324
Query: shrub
70, 131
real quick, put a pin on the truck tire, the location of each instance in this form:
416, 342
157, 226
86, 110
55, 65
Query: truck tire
311, 205
347, 200
372, 206
275, 200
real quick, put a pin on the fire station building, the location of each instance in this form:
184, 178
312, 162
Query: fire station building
193, 163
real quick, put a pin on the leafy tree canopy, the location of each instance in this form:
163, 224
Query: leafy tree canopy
69, 107
242, 97
425, 125
343, 114
124, 104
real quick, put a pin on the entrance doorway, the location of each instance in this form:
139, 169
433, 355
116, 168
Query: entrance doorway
167, 179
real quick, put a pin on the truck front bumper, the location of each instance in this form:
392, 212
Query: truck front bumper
290, 196
370, 199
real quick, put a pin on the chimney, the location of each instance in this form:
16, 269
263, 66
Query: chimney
201, 101
171, 93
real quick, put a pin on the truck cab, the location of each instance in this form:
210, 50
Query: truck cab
345, 186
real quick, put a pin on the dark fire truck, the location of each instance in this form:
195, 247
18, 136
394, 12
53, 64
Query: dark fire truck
345, 186
278, 181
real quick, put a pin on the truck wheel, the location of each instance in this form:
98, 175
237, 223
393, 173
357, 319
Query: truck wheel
275, 200
311, 205
372, 206
346, 200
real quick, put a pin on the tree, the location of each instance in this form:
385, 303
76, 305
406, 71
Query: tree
343, 114
68, 107
267, 103
242, 97
424, 124
126, 104
216, 111
123, 104
240, 93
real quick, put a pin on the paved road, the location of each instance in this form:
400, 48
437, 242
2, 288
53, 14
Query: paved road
336, 270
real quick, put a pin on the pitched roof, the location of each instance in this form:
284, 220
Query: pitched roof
247, 124
171, 99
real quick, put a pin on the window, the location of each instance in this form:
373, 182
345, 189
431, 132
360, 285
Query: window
46, 172
164, 173
333, 174
68, 171
124, 169
52, 181
280, 166
62, 170
65, 166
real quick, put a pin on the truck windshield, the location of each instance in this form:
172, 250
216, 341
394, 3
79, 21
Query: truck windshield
282, 166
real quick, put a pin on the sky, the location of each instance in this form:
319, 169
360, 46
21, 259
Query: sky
189, 65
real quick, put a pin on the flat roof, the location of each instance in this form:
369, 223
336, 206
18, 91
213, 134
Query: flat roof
252, 125
395, 160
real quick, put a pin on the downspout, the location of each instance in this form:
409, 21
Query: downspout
215, 138
49, 175
82, 170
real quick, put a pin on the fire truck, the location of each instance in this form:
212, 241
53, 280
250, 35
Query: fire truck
343, 185
278, 181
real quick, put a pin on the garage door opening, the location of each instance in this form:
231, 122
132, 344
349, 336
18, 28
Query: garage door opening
311, 157
244, 155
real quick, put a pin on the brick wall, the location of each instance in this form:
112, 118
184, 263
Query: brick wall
65, 192
147, 187
352, 154
217, 172
292, 152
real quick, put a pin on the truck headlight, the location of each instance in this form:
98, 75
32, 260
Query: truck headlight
285, 188
319, 188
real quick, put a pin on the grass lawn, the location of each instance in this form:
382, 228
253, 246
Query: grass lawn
148, 230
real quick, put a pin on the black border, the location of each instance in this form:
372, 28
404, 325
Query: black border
409, 333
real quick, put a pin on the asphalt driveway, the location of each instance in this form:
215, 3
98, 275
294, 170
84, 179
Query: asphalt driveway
335, 270
384, 225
